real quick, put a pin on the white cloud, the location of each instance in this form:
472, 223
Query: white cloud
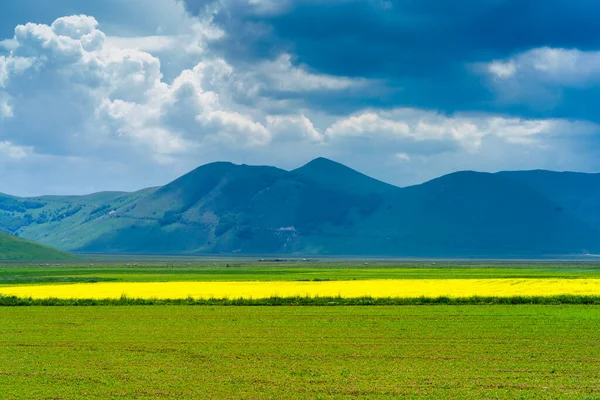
502, 69
75, 26
70, 94
194, 41
155, 43
564, 67
539, 76
366, 124
60, 75
10, 66
402, 156
111, 97
8, 150
282, 76
199, 114
5, 108
293, 128
418, 131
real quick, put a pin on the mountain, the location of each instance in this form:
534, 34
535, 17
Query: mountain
323, 208
64, 222
16, 249
574, 192
336, 176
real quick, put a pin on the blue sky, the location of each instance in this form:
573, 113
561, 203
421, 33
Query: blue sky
125, 94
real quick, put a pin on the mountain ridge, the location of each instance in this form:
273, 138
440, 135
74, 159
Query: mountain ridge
323, 207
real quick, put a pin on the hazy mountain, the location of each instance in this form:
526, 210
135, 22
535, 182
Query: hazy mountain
324, 208
16, 249
336, 176
574, 192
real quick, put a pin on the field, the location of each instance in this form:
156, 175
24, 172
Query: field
458, 352
166, 271
475, 348
331, 279
374, 288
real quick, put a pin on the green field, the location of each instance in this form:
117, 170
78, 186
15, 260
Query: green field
189, 349
184, 352
153, 271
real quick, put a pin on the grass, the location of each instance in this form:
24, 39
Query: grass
312, 271
470, 352
15, 248
472, 347
14, 301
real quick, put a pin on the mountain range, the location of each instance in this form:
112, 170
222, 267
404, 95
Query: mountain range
323, 208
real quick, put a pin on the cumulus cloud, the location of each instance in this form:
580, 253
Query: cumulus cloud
273, 84
58, 76
281, 75
105, 95
109, 94
293, 128
151, 44
564, 67
427, 132
11, 66
540, 76
199, 114
72, 94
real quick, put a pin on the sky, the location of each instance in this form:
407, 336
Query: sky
126, 94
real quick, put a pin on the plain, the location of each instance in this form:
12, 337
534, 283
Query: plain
517, 351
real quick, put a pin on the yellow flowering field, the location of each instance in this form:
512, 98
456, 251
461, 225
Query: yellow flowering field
349, 289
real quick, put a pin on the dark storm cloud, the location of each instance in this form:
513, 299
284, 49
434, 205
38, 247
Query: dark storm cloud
421, 48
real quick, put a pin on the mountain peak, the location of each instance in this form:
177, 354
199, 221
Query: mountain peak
334, 175
322, 162
325, 165
322, 207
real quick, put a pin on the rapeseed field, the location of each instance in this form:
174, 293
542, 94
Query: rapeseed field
348, 289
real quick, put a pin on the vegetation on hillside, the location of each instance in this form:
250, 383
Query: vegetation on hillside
323, 208
17, 249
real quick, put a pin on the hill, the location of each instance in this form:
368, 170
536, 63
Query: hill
574, 192
338, 177
324, 208
14, 249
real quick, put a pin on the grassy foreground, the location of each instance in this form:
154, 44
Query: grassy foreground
522, 351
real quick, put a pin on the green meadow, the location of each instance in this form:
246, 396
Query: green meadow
289, 348
183, 352
234, 270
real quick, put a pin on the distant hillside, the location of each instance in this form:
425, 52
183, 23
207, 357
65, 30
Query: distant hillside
15, 249
574, 192
324, 208
338, 177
